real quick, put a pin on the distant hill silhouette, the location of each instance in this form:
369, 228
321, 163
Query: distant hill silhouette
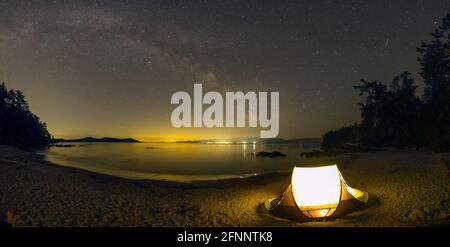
92, 139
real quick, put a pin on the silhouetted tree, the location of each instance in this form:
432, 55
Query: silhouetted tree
434, 62
371, 111
3, 96
394, 116
338, 138
390, 116
18, 125
403, 112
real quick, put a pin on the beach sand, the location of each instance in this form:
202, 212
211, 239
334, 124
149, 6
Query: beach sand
407, 188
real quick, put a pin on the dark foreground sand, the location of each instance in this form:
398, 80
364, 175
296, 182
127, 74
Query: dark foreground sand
407, 188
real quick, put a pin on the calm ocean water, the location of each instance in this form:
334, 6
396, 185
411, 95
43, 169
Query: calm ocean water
175, 161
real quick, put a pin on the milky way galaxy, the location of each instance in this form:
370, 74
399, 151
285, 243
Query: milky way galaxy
109, 68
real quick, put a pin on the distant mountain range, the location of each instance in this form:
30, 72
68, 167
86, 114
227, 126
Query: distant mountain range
241, 140
92, 139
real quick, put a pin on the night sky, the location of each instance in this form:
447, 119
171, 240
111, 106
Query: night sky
109, 68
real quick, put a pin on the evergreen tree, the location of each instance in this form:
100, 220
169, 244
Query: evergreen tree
18, 125
434, 62
371, 111
390, 116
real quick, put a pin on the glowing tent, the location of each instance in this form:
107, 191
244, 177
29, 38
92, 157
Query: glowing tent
316, 193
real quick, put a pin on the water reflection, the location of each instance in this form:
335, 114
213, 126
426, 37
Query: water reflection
174, 160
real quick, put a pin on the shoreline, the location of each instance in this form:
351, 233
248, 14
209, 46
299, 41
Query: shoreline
119, 168
410, 189
235, 180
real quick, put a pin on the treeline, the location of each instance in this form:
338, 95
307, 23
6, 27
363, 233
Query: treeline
18, 125
393, 116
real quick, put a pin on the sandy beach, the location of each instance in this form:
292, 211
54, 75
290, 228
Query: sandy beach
407, 188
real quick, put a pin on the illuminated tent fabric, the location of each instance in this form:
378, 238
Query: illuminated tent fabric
316, 192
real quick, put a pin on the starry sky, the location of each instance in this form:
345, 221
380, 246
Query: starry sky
109, 68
